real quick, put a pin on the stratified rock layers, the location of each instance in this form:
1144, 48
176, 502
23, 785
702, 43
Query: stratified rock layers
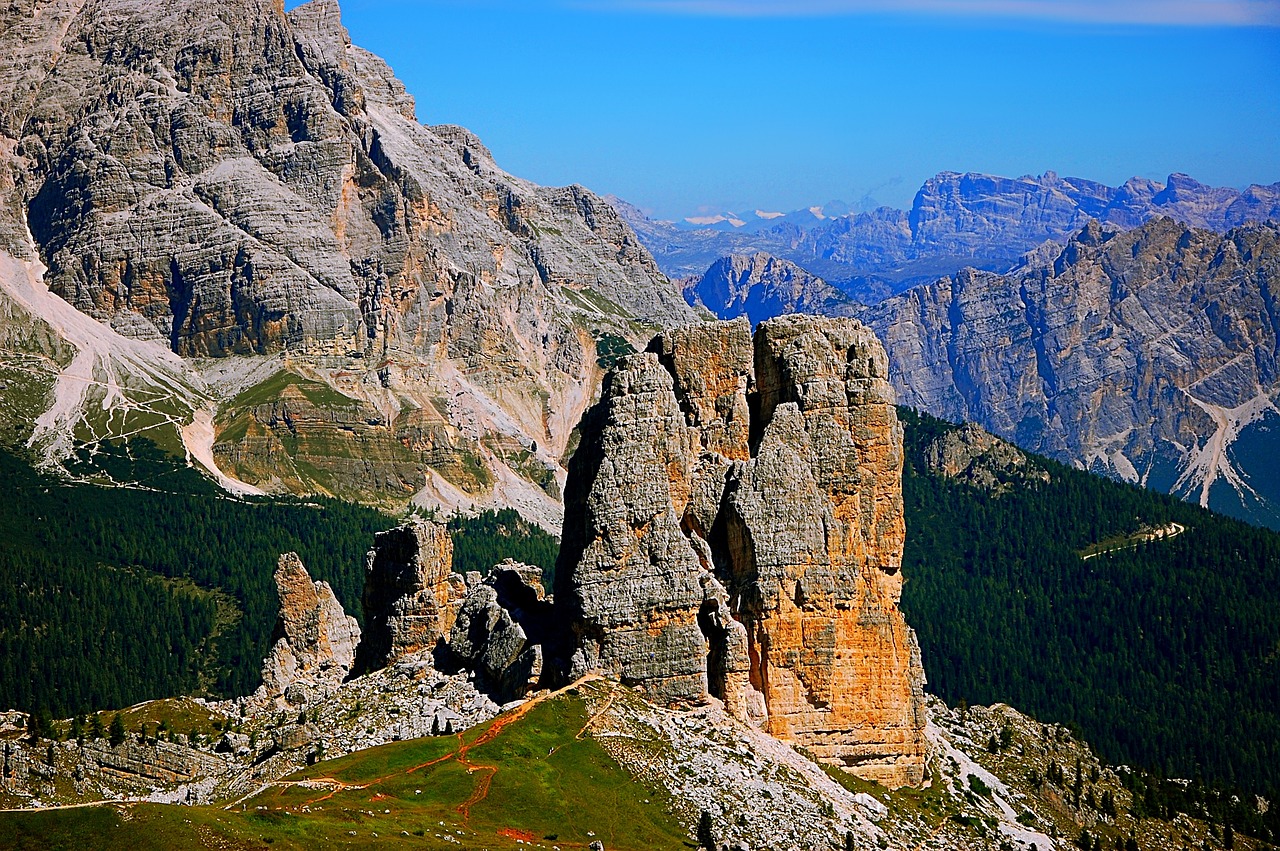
734, 528
231, 180
1142, 355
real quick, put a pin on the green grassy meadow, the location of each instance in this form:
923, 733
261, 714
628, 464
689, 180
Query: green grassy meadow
520, 782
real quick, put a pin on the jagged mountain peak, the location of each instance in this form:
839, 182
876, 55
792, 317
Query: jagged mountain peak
231, 181
1147, 354
958, 219
761, 286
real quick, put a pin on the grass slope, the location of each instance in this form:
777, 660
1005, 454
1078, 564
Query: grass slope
525, 776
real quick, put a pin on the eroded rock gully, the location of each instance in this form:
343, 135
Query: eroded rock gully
734, 529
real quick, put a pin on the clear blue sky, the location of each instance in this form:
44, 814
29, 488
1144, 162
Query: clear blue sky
688, 105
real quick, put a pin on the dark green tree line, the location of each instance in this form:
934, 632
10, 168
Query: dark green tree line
1163, 656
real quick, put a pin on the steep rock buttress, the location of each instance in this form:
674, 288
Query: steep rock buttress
734, 529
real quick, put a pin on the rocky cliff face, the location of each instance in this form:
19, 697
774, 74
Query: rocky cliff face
760, 286
1149, 355
316, 640
734, 529
411, 593
959, 220
231, 180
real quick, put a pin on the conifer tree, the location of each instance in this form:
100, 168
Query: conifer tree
1108, 804
706, 836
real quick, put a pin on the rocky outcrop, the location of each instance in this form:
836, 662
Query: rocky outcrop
734, 530
500, 630
760, 286
1149, 355
315, 640
411, 594
627, 578
417, 610
973, 455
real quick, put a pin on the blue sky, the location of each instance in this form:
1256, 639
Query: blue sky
682, 106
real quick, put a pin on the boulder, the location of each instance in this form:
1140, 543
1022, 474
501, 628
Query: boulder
499, 629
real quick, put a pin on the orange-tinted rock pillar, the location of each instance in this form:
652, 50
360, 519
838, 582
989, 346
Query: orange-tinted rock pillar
411, 594
815, 534
733, 529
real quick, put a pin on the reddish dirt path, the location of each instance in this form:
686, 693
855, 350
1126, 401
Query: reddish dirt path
338, 786
481, 790
500, 723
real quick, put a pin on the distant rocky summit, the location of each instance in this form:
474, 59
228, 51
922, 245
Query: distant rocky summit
956, 220
760, 286
1148, 355
973, 455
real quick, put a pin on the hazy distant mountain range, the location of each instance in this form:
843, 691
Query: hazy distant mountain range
956, 220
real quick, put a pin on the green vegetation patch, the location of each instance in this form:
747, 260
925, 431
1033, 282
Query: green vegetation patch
519, 777
266, 392
1163, 655
489, 537
527, 778
109, 592
610, 348
25, 385
138, 462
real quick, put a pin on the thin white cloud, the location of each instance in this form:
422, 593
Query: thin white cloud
1229, 13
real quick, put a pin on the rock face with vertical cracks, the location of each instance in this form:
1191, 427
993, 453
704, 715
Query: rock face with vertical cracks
734, 530
233, 181
417, 608
410, 593
315, 643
